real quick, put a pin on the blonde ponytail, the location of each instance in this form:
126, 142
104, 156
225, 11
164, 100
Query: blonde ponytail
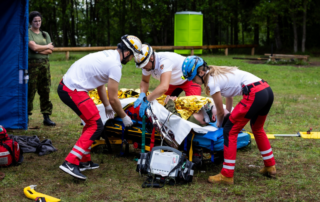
216, 72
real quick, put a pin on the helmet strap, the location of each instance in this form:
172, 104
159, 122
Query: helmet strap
201, 77
153, 61
123, 61
205, 67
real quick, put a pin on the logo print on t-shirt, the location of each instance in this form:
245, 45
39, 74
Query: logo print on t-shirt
162, 66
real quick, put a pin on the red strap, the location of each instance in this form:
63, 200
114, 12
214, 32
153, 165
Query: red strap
152, 138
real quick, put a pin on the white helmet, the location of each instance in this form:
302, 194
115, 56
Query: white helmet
133, 43
142, 60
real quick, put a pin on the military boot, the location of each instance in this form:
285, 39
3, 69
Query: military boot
269, 171
220, 179
47, 121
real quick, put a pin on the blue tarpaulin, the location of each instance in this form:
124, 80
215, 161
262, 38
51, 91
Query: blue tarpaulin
13, 63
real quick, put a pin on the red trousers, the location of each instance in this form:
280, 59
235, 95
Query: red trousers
84, 107
188, 87
254, 107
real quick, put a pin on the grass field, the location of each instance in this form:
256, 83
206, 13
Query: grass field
296, 108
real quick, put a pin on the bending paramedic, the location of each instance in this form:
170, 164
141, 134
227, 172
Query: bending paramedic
257, 99
165, 67
90, 72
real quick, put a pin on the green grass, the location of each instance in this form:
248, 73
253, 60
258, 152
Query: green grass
296, 108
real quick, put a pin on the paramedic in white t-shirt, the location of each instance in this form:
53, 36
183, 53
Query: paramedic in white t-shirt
93, 71
165, 67
254, 107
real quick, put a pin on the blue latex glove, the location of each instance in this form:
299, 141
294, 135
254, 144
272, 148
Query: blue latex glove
139, 100
144, 105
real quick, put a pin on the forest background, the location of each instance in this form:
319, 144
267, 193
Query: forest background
285, 25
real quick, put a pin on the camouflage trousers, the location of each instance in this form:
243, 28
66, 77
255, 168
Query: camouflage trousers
39, 81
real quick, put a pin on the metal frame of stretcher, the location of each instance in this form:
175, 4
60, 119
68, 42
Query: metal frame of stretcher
116, 134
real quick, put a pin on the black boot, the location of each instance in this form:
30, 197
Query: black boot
47, 121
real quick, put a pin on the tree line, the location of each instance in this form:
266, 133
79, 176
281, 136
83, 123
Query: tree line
285, 24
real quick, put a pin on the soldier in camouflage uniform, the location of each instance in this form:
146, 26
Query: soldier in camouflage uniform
40, 46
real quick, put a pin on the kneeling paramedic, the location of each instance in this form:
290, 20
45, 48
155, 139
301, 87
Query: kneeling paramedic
254, 107
165, 67
90, 72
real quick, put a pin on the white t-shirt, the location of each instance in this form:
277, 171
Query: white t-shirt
93, 70
167, 62
231, 85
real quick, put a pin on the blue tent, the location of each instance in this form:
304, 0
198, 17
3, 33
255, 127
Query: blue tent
14, 63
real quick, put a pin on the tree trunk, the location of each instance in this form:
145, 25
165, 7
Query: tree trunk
220, 33
165, 35
57, 42
72, 37
268, 30
97, 31
92, 36
242, 30
304, 32
155, 38
131, 11
231, 31
295, 34
277, 35
108, 22
140, 27
162, 35
64, 23
236, 25
212, 36
193, 5
216, 30
77, 27
123, 23
256, 34
88, 24
206, 32
228, 32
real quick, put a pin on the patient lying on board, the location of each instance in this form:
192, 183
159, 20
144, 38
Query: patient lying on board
201, 118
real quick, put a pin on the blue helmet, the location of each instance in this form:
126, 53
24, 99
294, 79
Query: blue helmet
190, 66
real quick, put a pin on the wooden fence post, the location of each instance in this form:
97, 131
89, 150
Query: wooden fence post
192, 52
226, 51
252, 51
67, 55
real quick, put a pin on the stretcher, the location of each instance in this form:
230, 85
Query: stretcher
160, 127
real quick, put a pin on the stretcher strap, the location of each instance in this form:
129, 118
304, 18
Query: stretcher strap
212, 155
143, 136
152, 138
122, 138
191, 150
186, 144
